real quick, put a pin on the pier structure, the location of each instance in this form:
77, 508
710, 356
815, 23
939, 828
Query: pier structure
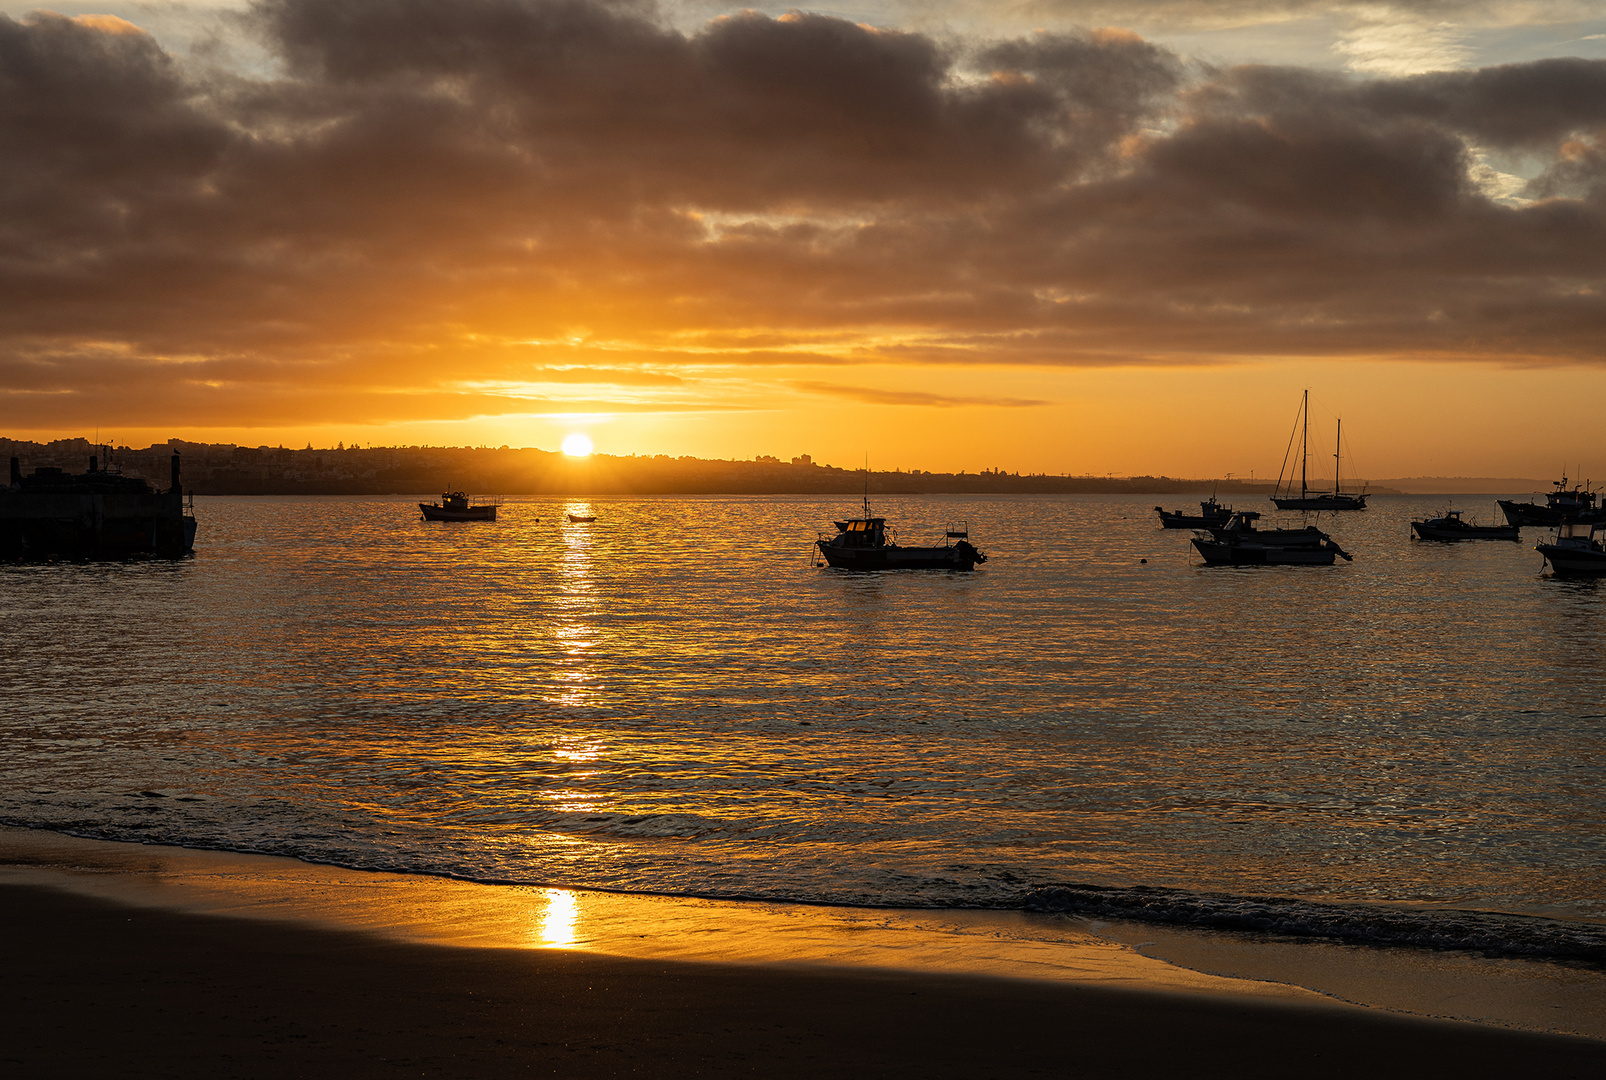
99, 514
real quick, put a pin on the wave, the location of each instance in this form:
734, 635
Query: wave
1491, 933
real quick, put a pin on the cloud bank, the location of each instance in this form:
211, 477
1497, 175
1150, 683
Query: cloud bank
433, 197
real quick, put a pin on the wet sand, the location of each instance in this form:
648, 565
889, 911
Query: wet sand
131, 961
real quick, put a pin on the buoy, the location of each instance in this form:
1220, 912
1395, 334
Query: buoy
1143, 560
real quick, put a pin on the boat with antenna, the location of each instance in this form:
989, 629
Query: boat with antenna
1338, 498
865, 543
1449, 527
1211, 513
457, 506
1562, 505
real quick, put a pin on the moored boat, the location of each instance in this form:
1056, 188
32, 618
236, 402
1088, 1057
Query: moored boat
1450, 527
863, 543
456, 506
1240, 543
1337, 499
1563, 504
1574, 551
580, 519
1210, 513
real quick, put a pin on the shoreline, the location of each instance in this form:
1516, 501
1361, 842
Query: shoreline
264, 963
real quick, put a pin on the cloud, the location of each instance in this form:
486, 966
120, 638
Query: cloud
873, 396
433, 194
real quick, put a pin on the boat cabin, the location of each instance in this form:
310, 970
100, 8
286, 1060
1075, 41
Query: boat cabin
861, 532
1579, 532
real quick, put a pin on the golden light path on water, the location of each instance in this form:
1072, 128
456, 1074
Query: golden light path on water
672, 698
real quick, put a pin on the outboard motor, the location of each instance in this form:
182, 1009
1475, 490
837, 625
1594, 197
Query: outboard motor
969, 553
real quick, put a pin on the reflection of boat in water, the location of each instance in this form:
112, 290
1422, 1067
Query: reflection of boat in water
1451, 527
99, 514
1563, 504
863, 544
577, 519
1574, 550
1239, 543
1337, 499
456, 506
1210, 513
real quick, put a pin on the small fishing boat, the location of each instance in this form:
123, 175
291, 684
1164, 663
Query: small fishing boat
1563, 504
1210, 513
1240, 543
1338, 498
576, 519
863, 544
1574, 551
456, 506
1450, 527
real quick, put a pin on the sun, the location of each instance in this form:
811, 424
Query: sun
577, 445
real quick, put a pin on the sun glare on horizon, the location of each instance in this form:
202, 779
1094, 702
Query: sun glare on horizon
577, 445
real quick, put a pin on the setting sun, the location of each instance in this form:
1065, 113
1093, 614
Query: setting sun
577, 445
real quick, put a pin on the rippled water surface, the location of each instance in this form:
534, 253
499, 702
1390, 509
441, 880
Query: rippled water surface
675, 699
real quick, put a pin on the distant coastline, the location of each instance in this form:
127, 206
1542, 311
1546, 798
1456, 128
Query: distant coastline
227, 469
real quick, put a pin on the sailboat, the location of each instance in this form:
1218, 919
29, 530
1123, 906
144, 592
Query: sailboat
1337, 499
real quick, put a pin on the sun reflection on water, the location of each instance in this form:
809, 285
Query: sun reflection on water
557, 922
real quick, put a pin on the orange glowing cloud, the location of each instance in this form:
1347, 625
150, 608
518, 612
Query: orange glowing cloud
439, 210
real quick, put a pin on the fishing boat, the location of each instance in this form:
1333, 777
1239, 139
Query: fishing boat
1575, 552
456, 506
1210, 513
1563, 504
1450, 527
578, 519
864, 543
1338, 498
1240, 543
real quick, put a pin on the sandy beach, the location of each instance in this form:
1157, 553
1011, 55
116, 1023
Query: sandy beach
114, 969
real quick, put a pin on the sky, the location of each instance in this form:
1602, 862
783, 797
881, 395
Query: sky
1038, 235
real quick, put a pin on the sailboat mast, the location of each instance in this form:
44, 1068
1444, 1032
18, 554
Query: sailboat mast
1304, 440
1338, 447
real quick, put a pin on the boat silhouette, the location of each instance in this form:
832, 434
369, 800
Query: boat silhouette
456, 506
862, 543
1337, 499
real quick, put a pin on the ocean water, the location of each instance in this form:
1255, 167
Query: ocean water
675, 699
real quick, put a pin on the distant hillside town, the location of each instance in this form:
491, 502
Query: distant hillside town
227, 469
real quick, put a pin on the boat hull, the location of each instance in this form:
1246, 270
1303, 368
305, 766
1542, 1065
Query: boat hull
898, 558
1529, 514
1572, 561
1216, 553
1428, 531
1179, 520
436, 512
1310, 536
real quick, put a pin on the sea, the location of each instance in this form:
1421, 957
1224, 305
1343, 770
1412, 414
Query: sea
676, 698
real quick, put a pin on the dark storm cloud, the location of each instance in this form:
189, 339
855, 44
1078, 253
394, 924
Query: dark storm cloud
435, 194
